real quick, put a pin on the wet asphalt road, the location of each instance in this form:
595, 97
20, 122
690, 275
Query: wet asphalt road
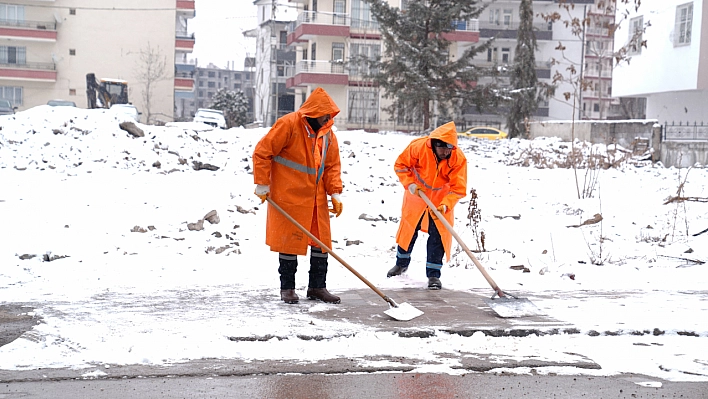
384, 386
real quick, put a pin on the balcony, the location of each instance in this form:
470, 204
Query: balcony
43, 31
186, 8
465, 31
184, 83
310, 24
318, 73
184, 42
32, 71
500, 30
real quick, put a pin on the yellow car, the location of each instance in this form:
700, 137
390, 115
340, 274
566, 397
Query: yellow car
484, 132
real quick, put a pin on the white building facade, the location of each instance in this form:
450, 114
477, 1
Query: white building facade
48, 47
671, 72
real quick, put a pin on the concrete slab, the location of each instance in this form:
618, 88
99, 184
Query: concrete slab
458, 312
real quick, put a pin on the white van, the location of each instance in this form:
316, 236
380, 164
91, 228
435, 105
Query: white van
211, 117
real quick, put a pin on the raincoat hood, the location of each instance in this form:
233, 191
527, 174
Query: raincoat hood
446, 133
319, 103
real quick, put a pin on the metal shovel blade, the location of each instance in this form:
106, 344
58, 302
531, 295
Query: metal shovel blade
404, 312
512, 307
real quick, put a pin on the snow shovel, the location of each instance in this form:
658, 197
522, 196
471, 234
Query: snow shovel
503, 303
402, 312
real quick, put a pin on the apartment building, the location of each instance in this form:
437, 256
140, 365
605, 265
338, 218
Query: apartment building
274, 60
328, 36
211, 79
49, 46
671, 72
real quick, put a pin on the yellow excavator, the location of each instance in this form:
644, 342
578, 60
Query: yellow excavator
105, 92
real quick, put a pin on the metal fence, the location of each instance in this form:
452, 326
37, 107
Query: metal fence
684, 132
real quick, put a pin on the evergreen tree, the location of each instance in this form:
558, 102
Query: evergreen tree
234, 104
524, 82
416, 70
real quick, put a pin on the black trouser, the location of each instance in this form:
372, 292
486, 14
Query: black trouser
434, 246
318, 269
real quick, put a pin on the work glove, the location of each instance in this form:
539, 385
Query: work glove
336, 205
262, 191
414, 189
442, 209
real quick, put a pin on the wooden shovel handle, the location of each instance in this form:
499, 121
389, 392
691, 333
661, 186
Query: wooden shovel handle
444, 221
329, 251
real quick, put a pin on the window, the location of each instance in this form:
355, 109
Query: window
507, 17
283, 38
13, 55
506, 55
12, 94
211, 84
201, 83
359, 53
72, 51
684, 21
363, 106
596, 107
339, 12
313, 51
72, 11
361, 15
494, 16
337, 52
636, 29
237, 86
201, 93
12, 13
211, 74
237, 76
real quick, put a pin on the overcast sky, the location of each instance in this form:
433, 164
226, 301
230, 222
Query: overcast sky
219, 26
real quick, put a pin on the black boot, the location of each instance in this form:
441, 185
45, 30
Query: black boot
289, 296
396, 271
318, 268
322, 294
318, 277
287, 269
434, 283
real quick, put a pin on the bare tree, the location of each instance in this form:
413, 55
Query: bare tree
600, 49
151, 68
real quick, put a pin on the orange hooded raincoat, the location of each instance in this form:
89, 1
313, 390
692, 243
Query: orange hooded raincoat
302, 167
444, 182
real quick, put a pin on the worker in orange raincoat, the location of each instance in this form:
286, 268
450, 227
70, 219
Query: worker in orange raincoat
297, 165
435, 166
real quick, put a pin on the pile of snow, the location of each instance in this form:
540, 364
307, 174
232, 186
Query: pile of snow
98, 219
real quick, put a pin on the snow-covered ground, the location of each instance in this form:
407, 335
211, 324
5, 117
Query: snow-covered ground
96, 236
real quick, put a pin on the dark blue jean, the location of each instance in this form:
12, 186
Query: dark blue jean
434, 247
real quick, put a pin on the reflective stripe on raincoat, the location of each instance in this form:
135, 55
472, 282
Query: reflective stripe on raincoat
289, 158
444, 182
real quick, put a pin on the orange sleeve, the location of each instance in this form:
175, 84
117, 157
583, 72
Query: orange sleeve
458, 183
404, 166
269, 146
333, 168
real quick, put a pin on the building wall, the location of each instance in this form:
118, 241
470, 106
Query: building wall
209, 80
106, 39
685, 106
670, 77
656, 69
